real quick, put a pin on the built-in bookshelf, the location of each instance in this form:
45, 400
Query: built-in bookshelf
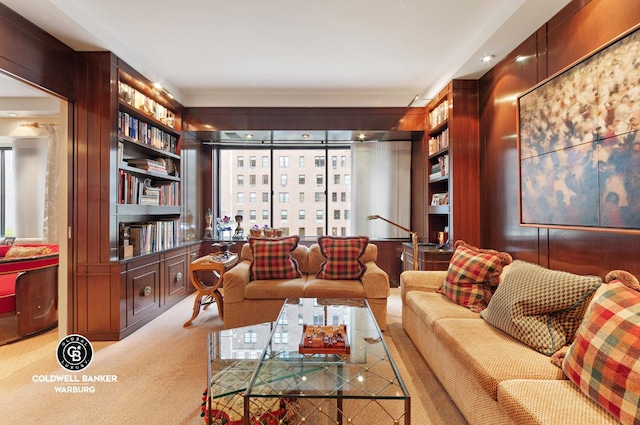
452, 163
148, 171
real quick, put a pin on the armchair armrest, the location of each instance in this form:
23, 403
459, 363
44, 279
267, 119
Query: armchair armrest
375, 281
234, 281
427, 281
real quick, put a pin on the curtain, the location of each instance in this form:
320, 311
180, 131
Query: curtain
381, 185
30, 163
50, 228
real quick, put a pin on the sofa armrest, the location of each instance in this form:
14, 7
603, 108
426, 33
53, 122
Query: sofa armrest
234, 281
415, 280
375, 281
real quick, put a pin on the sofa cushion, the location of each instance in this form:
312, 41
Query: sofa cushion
274, 289
472, 275
431, 307
272, 258
489, 356
321, 288
535, 401
342, 257
603, 361
540, 307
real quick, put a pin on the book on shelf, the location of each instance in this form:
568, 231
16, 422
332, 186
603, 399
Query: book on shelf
148, 164
440, 199
154, 236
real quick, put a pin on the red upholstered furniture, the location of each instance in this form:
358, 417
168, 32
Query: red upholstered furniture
29, 289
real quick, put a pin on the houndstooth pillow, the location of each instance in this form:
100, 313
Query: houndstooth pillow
542, 308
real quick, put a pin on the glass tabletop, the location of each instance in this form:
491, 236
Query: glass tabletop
361, 368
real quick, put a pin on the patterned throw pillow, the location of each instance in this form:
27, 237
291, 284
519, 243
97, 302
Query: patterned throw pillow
603, 360
272, 258
19, 251
473, 274
343, 257
540, 307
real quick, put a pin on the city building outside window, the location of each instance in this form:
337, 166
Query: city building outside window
252, 197
336, 179
284, 162
252, 162
301, 179
240, 161
240, 180
283, 180
334, 162
252, 179
301, 214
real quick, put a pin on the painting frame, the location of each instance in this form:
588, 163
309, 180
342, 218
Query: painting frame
578, 143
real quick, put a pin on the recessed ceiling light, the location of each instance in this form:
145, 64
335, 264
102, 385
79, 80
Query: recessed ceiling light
361, 136
12, 114
249, 136
305, 135
488, 58
157, 86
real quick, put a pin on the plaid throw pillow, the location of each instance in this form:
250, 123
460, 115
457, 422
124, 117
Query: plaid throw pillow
540, 307
472, 275
603, 360
272, 258
343, 257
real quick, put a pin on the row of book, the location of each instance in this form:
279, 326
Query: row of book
144, 132
138, 191
439, 142
439, 114
440, 168
144, 103
153, 236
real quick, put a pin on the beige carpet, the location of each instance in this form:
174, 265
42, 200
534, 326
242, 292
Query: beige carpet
161, 372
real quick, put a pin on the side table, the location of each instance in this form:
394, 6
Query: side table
209, 293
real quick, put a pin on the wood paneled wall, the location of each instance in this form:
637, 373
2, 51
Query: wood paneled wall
579, 29
200, 118
34, 56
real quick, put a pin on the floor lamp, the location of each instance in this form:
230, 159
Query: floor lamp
414, 237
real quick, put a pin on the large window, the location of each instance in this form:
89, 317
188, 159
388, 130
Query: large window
7, 194
331, 189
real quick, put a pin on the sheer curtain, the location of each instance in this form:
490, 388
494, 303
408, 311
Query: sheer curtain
381, 184
49, 225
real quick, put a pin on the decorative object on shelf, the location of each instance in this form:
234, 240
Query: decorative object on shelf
239, 233
255, 231
208, 230
414, 237
443, 238
225, 226
223, 248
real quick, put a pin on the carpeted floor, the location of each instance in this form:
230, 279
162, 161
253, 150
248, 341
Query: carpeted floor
160, 372
8, 330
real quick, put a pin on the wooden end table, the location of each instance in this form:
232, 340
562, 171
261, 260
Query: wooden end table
209, 293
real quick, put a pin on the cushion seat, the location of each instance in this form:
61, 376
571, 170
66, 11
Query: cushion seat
491, 356
321, 288
547, 402
432, 306
270, 289
8, 292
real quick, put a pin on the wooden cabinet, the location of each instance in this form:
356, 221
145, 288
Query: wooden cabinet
452, 163
429, 258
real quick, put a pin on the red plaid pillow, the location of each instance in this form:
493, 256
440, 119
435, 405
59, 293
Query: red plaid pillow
603, 360
343, 257
473, 274
272, 258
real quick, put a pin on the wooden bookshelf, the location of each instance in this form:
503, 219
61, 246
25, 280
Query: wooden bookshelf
452, 163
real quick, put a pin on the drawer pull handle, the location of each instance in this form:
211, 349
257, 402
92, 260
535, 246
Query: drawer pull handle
179, 277
147, 291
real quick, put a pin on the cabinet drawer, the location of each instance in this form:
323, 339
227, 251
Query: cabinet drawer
143, 292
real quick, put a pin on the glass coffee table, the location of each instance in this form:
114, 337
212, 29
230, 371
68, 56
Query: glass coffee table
340, 373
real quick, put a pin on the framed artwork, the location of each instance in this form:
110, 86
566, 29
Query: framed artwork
579, 143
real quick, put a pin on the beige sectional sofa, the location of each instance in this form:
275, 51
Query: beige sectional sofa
255, 301
492, 377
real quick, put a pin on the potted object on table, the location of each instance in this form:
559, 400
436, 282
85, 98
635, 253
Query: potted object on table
255, 231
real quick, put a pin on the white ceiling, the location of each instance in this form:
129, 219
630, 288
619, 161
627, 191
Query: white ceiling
296, 52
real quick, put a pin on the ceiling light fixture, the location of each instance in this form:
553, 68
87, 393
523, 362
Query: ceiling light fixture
12, 114
249, 136
487, 58
361, 136
305, 135
157, 86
